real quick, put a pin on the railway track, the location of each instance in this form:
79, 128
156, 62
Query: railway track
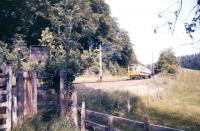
102, 81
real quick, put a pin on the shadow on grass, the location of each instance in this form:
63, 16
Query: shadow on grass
115, 104
169, 119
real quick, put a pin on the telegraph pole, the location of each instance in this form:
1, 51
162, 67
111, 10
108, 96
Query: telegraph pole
100, 63
152, 66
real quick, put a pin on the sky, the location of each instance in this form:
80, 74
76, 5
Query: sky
140, 17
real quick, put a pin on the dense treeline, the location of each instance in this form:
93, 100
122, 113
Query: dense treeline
85, 23
190, 61
72, 29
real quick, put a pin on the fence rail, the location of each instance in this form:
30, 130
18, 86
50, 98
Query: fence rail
3, 92
21, 102
3, 116
7, 84
111, 120
4, 104
128, 122
120, 120
2, 75
16, 104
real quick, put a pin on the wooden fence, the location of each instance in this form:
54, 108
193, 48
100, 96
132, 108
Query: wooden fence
26, 84
87, 115
6, 96
19, 102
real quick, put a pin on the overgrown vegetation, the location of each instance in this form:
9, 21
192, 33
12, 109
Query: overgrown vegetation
46, 121
179, 109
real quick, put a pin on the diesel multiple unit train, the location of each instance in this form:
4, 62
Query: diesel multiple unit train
137, 71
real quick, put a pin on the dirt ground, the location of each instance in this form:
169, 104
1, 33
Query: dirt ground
145, 87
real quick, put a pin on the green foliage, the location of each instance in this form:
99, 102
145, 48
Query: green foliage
192, 26
62, 124
115, 69
18, 49
124, 54
4, 52
167, 62
72, 29
51, 74
172, 69
104, 102
27, 17
89, 59
47, 121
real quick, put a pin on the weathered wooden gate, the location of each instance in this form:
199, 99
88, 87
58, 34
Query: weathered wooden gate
6, 99
26, 84
17, 103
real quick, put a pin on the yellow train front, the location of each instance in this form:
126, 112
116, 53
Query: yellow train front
136, 71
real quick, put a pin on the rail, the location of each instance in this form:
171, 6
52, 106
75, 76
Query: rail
119, 120
87, 115
6, 105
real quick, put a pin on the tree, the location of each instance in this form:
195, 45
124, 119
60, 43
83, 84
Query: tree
190, 26
190, 61
72, 29
123, 54
167, 62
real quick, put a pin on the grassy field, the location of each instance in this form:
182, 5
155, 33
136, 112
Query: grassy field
179, 109
182, 108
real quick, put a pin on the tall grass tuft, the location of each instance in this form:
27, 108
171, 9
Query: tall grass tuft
46, 121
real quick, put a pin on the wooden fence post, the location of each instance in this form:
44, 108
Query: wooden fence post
26, 93
34, 91
74, 109
110, 123
9, 98
20, 95
128, 102
146, 123
62, 95
83, 116
14, 110
148, 96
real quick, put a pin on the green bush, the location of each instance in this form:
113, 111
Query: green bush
167, 62
172, 69
50, 74
115, 69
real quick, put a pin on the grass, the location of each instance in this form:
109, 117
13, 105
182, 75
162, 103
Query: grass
183, 104
179, 109
46, 121
89, 76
